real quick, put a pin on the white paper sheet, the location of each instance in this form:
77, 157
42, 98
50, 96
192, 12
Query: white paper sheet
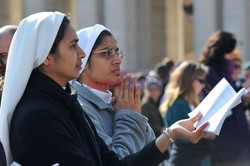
217, 106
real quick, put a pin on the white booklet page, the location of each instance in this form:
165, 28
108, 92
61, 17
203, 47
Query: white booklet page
217, 106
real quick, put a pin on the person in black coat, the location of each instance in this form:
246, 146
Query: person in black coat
233, 143
48, 125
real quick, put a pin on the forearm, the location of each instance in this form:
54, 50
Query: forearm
150, 155
165, 139
162, 143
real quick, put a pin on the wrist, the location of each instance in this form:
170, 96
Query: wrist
168, 132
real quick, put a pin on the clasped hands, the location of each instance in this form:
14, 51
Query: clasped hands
127, 94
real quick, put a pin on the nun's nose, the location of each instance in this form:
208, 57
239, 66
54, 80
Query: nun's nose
81, 53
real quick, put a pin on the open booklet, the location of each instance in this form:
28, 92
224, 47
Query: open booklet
217, 105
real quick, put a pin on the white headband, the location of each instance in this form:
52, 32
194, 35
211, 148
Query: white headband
87, 38
29, 48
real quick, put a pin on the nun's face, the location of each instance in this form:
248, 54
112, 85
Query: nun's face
66, 63
100, 67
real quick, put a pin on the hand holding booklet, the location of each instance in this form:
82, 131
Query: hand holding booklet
217, 105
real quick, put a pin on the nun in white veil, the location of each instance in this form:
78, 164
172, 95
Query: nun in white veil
29, 48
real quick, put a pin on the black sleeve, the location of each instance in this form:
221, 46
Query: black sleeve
148, 156
44, 138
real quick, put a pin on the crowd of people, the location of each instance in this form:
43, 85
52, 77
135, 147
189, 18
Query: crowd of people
66, 101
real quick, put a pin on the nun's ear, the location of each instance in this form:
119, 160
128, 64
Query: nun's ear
48, 60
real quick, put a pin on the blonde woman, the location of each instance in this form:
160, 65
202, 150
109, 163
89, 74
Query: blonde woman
186, 82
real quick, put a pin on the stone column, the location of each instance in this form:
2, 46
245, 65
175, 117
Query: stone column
175, 29
73, 12
15, 11
143, 35
119, 17
246, 53
88, 13
157, 32
31, 6
139, 29
206, 17
4, 13
236, 20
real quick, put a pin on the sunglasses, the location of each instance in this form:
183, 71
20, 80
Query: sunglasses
200, 80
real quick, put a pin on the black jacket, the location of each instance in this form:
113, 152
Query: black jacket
49, 126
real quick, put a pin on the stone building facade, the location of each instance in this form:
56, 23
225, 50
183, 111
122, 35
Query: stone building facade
148, 30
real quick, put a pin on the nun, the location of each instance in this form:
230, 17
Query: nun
120, 124
41, 121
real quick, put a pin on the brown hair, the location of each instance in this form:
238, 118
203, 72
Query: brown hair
180, 84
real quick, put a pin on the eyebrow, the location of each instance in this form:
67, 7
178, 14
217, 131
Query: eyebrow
74, 41
105, 48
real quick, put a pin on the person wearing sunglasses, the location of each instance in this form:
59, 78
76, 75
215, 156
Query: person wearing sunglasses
118, 120
185, 84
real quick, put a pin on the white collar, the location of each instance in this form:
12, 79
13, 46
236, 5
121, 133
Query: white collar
105, 96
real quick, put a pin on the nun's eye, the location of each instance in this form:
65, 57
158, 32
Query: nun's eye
110, 53
74, 46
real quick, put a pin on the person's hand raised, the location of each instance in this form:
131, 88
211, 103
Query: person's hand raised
184, 129
127, 94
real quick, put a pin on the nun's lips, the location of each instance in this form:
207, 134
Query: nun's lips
117, 71
79, 66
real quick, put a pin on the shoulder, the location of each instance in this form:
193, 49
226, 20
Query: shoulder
147, 104
87, 105
37, 109
180, 102
180, 106
149, 108
213, 76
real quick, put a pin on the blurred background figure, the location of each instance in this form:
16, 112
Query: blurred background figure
241, 80
163, 70
233, 143
6, 34
246, 83
186, 82
141, 79
237, 63
150, 106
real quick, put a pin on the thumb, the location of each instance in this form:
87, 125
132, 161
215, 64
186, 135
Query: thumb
196, 117
113, 100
